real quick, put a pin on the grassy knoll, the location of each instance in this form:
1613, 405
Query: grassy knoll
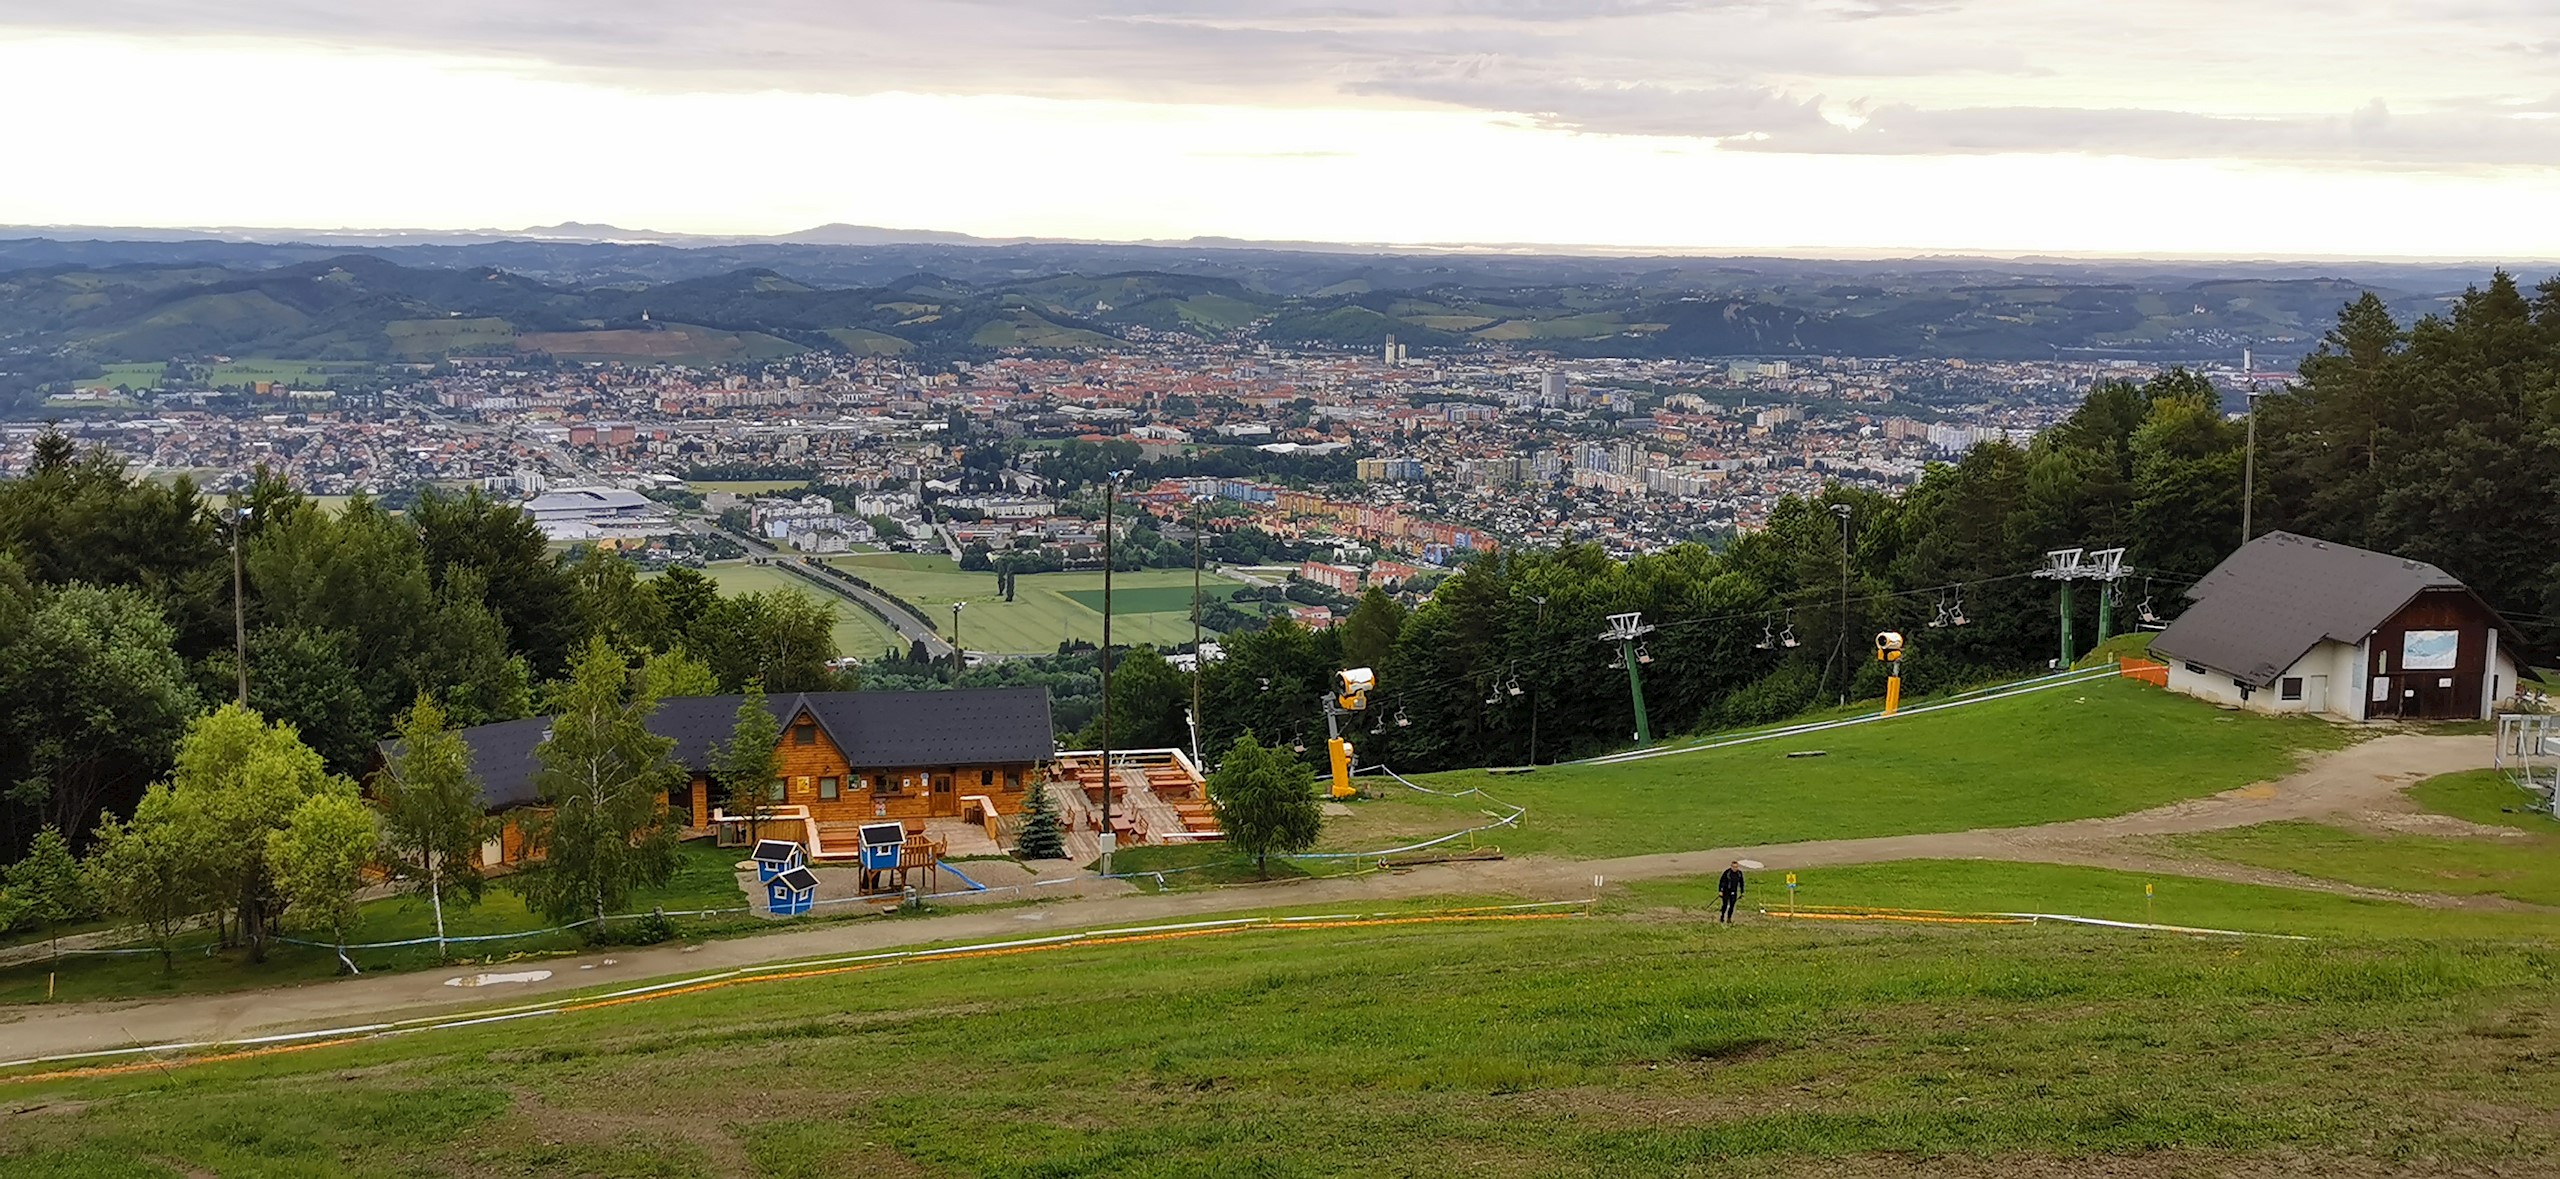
859, 633
2061, 754
2486, 797
703, 880
1147, 605
1630, 1043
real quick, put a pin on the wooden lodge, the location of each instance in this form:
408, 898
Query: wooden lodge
846, 759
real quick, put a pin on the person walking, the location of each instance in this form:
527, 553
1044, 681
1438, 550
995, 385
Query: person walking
1729, 890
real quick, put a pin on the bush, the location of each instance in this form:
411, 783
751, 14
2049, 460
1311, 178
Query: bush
647, 930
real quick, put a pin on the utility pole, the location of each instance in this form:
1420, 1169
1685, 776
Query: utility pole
239, 606
2249, 469
1541, 600
1196, 667
1624, 630
959, 654
1110, 506
1840, 641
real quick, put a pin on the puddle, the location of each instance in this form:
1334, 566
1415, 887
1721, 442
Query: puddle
482, 980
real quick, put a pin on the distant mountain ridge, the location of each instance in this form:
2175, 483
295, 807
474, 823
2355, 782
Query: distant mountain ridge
76, 300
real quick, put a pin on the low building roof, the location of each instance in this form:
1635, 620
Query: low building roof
2269, 603
874, 730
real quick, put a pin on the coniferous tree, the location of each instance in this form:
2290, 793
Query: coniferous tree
1040, 837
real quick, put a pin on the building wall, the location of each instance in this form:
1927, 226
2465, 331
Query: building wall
2458, 692
2327, 673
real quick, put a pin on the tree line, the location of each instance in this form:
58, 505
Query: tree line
118, 612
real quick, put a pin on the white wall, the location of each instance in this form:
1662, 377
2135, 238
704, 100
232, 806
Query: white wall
2331, 675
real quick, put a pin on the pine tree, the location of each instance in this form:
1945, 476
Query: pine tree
1041, 838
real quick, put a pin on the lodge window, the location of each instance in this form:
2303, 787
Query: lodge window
827, 789
1013, 779
774, 792
986, 777
2195, 669
2290, 688
804, 733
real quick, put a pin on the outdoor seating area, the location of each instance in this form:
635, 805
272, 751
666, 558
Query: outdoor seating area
1158, 797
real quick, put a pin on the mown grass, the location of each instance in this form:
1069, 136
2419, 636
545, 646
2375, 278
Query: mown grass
1645, 1042
704, 879
1148, 605
2100, 748
2519, 860
1994, 886
858, 632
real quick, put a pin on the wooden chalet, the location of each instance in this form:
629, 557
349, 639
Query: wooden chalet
846, 758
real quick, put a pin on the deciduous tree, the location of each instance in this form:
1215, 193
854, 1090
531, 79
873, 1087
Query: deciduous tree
604, 777
433, 818
1265, 802
318, 858
746, 766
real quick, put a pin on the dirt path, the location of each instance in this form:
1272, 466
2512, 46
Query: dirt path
2362, 780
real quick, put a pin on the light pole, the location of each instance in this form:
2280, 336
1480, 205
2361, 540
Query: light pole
959, 654
1110, 506
1541, 600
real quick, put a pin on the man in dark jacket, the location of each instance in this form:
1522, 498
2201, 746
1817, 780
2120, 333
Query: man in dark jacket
1729, 889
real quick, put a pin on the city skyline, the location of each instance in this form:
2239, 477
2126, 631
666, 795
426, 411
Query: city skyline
2274, 129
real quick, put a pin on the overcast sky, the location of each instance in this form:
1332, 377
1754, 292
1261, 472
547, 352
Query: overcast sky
2250, 127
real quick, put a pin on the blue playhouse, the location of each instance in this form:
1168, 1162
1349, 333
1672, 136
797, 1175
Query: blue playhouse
774, 857
791, 892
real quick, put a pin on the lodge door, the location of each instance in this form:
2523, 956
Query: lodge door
946, 801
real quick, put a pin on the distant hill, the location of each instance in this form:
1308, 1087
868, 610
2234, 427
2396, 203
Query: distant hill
68, 300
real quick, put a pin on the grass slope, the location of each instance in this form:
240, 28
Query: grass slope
2094, 749
2520, 862
1632, 1043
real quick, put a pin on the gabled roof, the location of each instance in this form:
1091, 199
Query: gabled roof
2266, 605
874, 730
796, 879
778, 851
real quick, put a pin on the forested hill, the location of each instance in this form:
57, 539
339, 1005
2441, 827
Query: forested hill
92, 302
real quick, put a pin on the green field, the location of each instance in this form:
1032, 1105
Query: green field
1151, 606
123, 376
1643, 1040
859, 633
2518, 860
293, 372
2028, 759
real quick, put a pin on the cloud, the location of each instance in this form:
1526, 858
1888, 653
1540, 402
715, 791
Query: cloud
2370, 134
1638, 108
1904, 77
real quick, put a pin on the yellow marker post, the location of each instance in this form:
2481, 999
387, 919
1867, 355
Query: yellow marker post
1791, 892
2146, 900
1889, 653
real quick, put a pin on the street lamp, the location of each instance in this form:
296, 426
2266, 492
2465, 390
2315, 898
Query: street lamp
959, 654
1110, 505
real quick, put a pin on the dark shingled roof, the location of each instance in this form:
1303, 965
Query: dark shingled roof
2268, 604
876, 730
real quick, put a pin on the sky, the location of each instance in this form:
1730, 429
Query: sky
2253, 128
